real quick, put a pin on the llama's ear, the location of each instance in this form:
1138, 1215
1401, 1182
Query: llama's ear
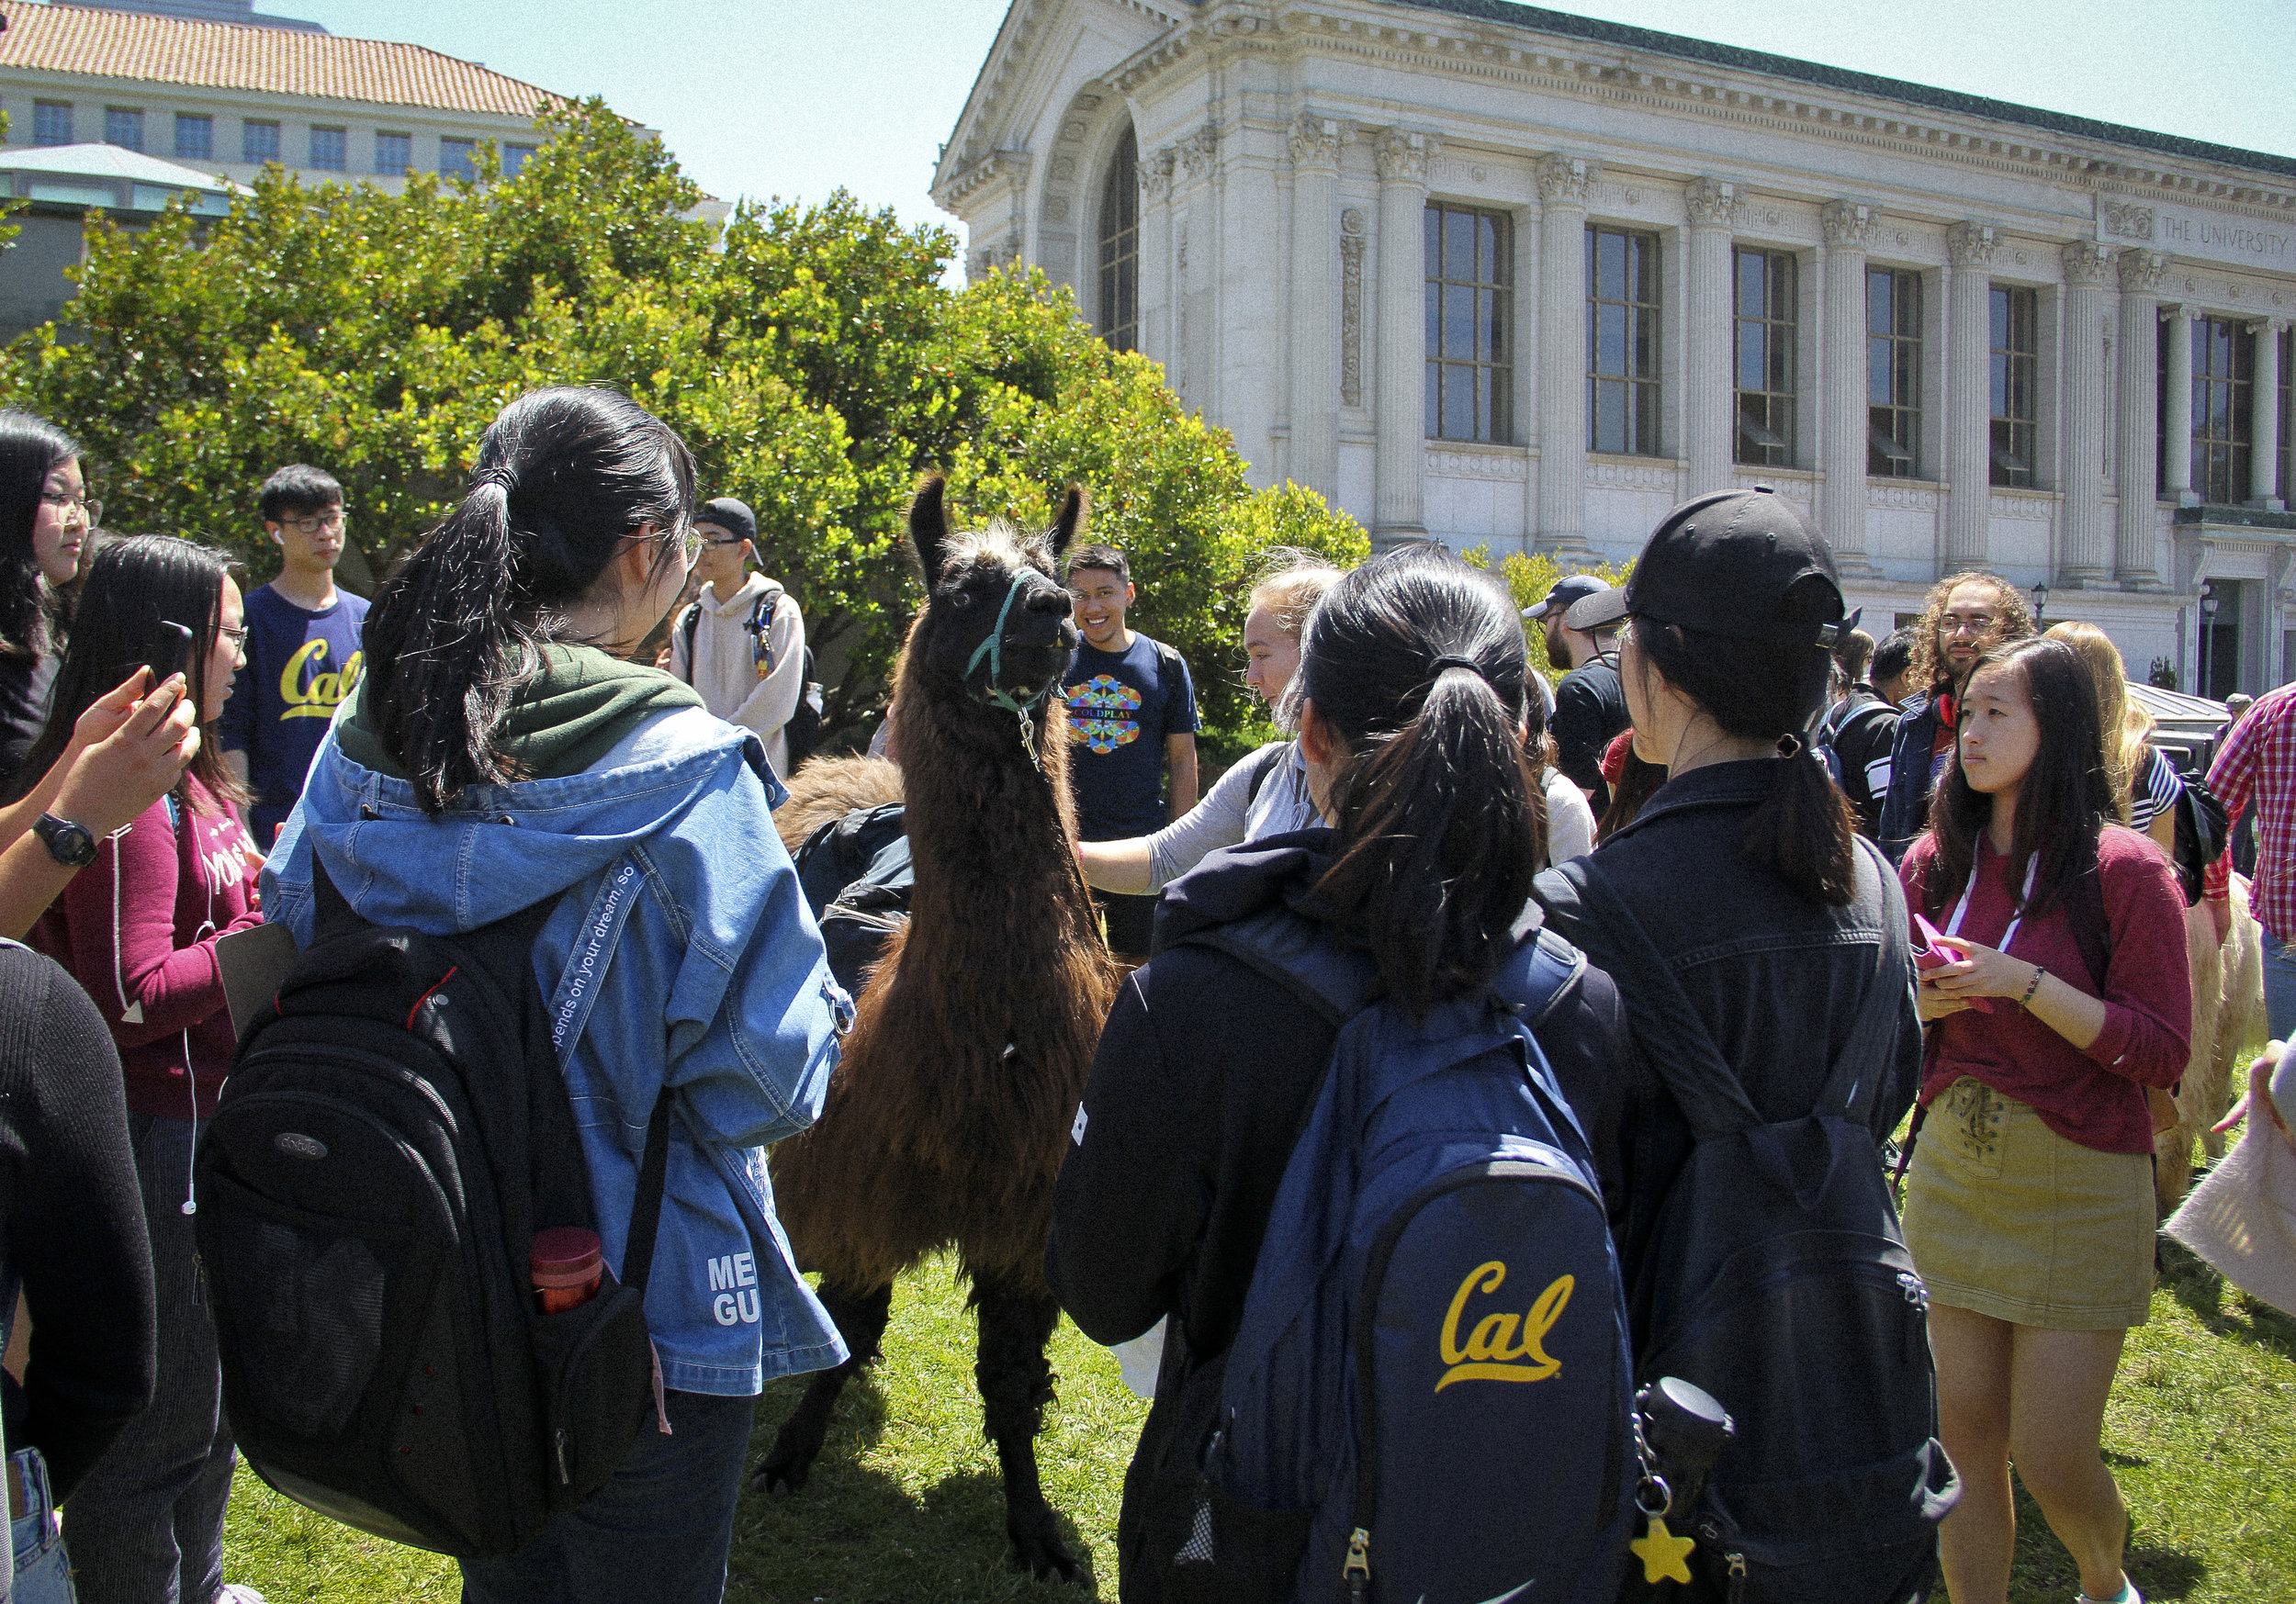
929, 526
1071, 521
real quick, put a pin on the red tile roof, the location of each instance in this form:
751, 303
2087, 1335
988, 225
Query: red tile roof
85, 41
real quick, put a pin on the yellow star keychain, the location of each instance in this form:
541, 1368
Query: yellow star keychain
1663, 1556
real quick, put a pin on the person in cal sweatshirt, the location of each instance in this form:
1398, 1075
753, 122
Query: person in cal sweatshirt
138, 929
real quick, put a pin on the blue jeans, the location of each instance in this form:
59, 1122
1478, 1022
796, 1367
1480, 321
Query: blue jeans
2280, 986
661, 1530
43, 1575
146, 1526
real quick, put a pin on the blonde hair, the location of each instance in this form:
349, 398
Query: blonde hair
2123, 724
1291, 582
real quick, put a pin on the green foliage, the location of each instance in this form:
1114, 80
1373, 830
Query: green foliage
812, 357
1529, 575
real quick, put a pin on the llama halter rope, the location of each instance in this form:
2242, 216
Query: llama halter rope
994, 648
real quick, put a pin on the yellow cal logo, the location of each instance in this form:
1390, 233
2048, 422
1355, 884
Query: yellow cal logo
1494, 1350
317, 699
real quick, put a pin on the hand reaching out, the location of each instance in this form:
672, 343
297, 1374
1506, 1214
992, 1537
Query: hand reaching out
143, 747
2258, 1097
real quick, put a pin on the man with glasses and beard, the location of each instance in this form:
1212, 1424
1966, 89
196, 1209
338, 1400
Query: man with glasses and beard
302, 646
742, 641
1966, 615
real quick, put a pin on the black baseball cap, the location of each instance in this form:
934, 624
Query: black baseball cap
1733, 563
734, 517
1568, 590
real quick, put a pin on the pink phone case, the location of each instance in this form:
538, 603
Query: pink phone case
1928, 954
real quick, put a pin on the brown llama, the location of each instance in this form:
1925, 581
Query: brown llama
946, 1122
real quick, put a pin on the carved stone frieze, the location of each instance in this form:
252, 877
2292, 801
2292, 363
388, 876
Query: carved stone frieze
2087, 262
2142, 271
2127, 221
1200, 150
1798, 488
1403, 156
1608, 475
1156, 173
1316, 142
1506, 466
1565, 180
2038, 506
1897, 497
1351, 237
1712, 203
1971, 244
1848, 224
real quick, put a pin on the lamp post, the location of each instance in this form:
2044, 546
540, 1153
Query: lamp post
2207, 635
2041, 603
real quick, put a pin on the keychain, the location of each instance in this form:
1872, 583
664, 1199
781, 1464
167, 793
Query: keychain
1664, 1557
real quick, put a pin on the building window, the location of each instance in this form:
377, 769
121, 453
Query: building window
258, 143
52, 122
1470, 372
330, 150
2015, 369
515, 158
457, 159
1622, 341
1893, 373
2223, 377
1120, 248
194, 137
394, 153
123, 126
1764, 289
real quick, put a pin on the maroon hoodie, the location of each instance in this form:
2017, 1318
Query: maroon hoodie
137, 927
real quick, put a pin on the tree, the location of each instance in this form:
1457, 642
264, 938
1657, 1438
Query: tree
812, 357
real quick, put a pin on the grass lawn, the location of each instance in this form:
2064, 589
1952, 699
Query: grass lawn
903, 1504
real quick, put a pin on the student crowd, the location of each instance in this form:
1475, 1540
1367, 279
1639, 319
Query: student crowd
1771, 799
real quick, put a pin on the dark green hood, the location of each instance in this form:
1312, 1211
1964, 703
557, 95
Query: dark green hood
561, 722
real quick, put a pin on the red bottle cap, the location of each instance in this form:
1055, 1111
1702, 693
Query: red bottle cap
565, 1256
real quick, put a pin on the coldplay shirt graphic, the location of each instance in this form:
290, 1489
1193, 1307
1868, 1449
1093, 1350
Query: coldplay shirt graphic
1120, 708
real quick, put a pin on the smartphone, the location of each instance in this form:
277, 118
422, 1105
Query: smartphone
169, 652
1928, 954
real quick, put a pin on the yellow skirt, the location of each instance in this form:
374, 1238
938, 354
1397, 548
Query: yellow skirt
2008, 1218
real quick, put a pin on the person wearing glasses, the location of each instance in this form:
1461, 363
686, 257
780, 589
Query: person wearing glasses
303, 655
1966, 615
44, 516
742, 641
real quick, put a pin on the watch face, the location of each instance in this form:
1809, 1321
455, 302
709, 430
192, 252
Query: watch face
68, 842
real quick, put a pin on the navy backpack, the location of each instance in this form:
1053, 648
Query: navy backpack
1432, 1357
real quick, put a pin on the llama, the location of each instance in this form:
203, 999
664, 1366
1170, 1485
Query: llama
945, 1123
2227, 1019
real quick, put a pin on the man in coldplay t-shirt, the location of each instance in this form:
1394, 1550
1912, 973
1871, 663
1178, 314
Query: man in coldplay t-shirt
1131, 715
303, 655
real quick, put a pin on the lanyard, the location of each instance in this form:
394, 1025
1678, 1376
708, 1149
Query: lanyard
1961, 909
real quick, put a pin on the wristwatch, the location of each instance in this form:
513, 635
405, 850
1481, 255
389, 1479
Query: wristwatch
69, 843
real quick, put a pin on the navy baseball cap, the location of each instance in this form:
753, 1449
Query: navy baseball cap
1568, 590
732, 516
1735, 563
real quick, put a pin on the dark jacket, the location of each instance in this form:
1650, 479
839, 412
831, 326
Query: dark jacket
1906, 811
1863, 730
1778, 980
1590, 709
1205, 1074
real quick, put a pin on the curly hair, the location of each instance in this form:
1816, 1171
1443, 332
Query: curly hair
1928, 671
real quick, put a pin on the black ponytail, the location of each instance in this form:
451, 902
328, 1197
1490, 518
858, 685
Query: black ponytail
1803, 830
562, 477
1416, 661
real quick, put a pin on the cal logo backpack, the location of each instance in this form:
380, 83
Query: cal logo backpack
1432, 1358
393, 1132
1776, 1279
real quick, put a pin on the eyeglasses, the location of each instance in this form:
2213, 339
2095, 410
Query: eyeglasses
1974, 624
236, 635
311, 523
87, 507
729, 540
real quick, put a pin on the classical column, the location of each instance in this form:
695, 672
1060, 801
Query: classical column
1403, 343
2138, 457
1563, 182
1968, 394
1842, 424
1159, 297
1708, 409
2176, 433
1315, 332
2264, 429
2084, 545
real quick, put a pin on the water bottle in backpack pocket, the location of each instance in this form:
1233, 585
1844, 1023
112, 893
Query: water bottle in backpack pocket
1431, 1374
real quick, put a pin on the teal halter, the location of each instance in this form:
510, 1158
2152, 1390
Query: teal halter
994, 647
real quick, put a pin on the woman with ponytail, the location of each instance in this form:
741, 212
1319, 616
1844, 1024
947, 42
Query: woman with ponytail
1412, 699
44, 518
501, 751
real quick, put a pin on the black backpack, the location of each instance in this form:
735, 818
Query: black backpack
2204, 828
856, 876
394, 1131
802, 731
1777, 1280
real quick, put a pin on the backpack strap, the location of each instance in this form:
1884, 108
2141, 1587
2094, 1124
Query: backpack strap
1856, 1081
653, 1173
1271, 757
689, 621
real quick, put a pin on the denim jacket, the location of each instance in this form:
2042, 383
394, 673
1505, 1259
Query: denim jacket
681, 954
1906, 810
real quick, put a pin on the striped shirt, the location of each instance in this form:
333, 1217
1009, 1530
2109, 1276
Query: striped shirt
2155, 790
2258, 764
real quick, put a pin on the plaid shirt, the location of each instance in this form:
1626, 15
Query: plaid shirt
2258, 763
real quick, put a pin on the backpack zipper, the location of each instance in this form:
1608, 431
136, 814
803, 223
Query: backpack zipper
566, 1478
1738, 1576
1356, 1575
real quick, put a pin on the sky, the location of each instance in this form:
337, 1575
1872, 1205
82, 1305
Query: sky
796, 97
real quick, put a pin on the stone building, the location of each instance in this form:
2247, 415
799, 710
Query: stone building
1504, 275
